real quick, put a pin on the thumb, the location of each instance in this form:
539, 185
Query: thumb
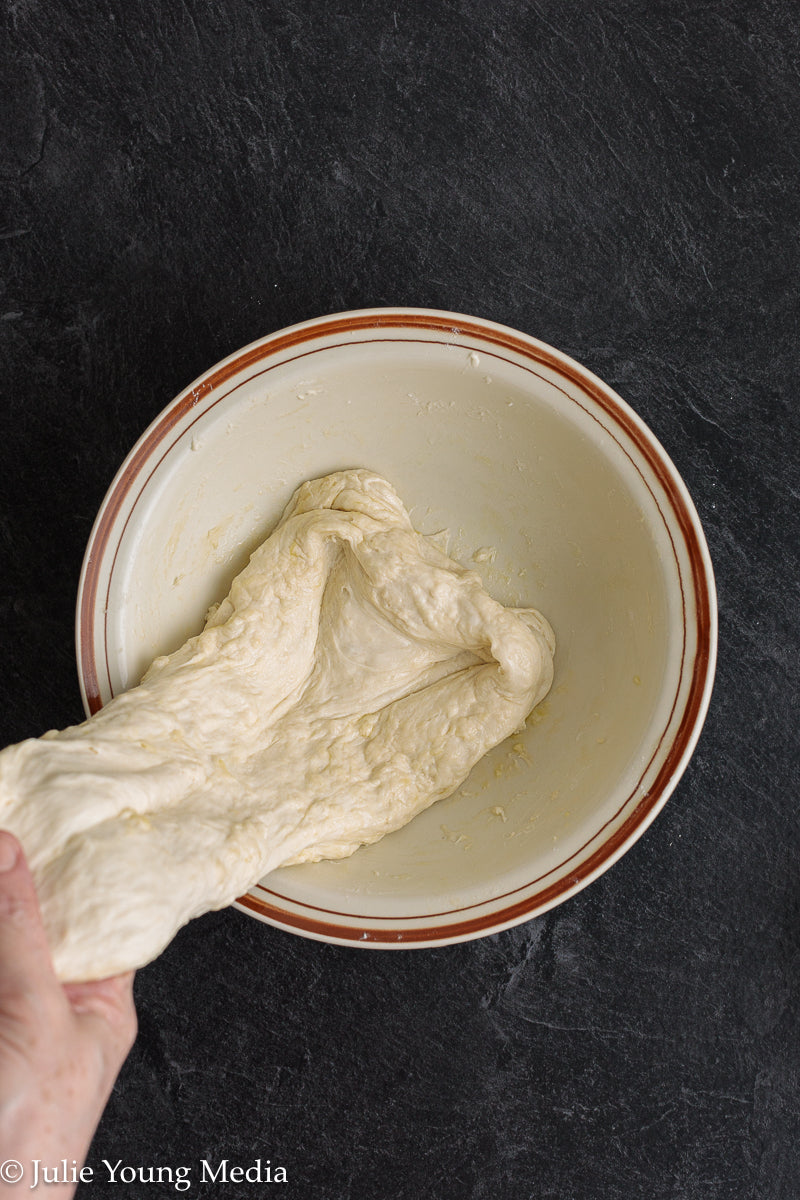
25, 962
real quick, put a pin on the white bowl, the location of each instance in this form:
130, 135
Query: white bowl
548, 484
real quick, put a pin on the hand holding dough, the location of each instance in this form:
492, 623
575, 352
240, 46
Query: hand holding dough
353, 676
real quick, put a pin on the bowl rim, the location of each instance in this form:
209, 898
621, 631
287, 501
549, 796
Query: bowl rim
390, 932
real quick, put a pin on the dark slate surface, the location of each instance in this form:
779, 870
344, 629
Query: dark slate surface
619, 179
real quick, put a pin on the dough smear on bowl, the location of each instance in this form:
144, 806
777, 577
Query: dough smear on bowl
353, 676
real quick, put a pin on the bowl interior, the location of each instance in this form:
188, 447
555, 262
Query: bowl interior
530, 481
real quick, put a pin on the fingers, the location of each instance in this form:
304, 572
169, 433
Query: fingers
105, 1006
101, 995
26, 967
110, 998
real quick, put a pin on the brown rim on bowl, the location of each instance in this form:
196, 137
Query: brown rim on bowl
155, 444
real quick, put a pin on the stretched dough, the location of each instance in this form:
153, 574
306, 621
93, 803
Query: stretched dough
353, 676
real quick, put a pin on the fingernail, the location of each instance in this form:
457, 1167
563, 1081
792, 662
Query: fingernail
9, 851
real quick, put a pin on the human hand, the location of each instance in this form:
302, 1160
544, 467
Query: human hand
61, 1046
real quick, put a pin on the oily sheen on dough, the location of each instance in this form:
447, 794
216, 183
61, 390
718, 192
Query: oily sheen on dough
353, 676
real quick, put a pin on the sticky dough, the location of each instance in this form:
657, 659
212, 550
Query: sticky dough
353, 676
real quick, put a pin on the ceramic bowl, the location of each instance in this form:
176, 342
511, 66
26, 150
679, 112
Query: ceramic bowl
546, 483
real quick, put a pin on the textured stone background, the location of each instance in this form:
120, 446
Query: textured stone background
619, 179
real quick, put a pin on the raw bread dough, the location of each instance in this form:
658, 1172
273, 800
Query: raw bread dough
353, 676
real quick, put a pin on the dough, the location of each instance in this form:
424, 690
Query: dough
353, 676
